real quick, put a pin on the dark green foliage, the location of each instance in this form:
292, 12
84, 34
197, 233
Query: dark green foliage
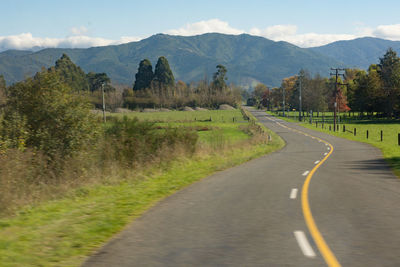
52, 117
71, 74
130, 141
96, 80
144, 76
219, 78
3, 94
163, 75
389, 72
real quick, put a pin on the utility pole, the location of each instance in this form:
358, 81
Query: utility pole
300, 108
104, 104
283, 92
336, 74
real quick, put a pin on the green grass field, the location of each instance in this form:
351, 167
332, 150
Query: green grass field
186, 116
64, 232
390, 128
219, 124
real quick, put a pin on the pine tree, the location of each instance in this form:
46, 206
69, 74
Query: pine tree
219, 78
71, 74
144, 76
96, 80
2, 91
389, 71
163, 75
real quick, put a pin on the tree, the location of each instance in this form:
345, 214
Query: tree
262, 95
3, 95
163, 75
219, 78
389, 72
144, 76
315, 94
96, 80
56, 119
71, 74
288, 85
302, 79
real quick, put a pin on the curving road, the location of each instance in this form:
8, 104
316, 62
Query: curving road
252, 215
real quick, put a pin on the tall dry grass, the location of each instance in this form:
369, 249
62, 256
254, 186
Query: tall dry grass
126, 148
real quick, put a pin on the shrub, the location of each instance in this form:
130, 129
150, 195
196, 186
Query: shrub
53, 118
130, 141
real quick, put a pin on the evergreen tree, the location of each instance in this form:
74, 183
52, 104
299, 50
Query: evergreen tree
2, 91
71, 74
219, 78
144, 76
96, 80
389, 72
163, 75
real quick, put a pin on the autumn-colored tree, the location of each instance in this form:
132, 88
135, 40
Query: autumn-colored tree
287, 86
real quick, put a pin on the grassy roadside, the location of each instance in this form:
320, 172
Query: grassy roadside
63, 232
389, 146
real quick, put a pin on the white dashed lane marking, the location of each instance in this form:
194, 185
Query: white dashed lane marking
303, 244
293, 193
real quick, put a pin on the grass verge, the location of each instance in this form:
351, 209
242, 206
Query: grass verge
63, 232
390, 129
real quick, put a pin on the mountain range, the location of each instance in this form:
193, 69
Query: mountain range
249, 59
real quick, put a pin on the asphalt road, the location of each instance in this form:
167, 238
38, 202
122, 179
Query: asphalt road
251, 215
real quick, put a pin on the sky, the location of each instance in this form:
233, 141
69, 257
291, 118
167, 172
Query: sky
25, 24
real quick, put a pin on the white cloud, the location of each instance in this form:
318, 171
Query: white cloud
205, 26
25, 41
391, 32
289, 33
286, 33
128, 39
82, 30
275, 32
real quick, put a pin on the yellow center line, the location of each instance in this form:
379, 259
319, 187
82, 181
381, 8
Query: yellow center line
323, 247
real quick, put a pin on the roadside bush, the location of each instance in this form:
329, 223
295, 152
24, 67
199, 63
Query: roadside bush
13, 132
129, 141
49, 116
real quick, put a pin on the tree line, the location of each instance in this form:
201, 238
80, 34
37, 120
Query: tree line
158, 89
375, 91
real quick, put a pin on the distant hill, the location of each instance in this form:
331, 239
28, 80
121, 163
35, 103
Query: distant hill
359, 53
249, 59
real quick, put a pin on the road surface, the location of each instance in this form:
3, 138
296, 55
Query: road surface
252, 214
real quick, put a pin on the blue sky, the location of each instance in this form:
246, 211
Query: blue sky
56, 23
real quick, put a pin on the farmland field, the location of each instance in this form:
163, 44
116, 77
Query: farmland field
211, 124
